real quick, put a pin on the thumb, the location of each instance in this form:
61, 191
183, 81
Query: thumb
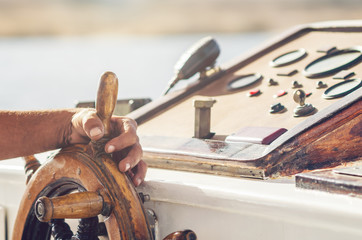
93, 126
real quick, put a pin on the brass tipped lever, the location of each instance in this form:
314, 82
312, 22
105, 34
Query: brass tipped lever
74, 205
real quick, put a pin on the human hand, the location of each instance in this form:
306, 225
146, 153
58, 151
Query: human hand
125, 147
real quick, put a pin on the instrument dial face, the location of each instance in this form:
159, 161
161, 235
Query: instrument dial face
333, 62
244, 81
288, 58
343, 88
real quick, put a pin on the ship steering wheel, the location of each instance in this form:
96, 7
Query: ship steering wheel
82, 182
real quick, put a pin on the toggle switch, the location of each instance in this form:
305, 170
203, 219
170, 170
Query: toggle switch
303, 109
272, 82
277, 108
296, 84
254, 93
280, 93
321, 84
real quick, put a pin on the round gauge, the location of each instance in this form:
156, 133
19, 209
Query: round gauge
333, 62
288, 58
343, 88
243, 81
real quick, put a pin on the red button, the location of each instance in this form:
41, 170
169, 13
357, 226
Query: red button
280, 93
254, 92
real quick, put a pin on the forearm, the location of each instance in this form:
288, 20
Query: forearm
27, 132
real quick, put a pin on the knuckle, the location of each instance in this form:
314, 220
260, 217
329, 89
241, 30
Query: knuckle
144, 164
131, 138
133, 122
140, 150
129, 121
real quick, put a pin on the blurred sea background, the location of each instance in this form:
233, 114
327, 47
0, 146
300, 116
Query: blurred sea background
52, 53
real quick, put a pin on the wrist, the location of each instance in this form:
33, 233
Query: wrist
68, 132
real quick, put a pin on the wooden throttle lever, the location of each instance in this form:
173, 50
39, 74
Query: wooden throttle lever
106, 99
74, 205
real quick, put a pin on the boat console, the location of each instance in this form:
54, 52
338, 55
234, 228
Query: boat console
294, 105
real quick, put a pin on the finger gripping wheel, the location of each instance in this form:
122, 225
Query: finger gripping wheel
82, 181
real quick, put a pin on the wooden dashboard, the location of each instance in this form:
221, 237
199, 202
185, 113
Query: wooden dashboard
253, 97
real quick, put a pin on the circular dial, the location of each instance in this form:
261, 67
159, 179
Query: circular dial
333, 62
288, 58
343, 88
243, 81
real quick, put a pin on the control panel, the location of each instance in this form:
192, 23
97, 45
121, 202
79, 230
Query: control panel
277, 88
